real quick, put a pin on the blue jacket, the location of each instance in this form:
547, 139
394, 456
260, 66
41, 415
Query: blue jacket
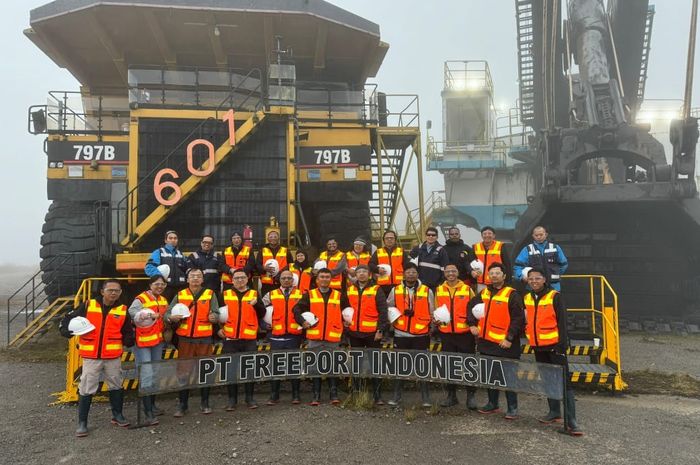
176, 261
545, 255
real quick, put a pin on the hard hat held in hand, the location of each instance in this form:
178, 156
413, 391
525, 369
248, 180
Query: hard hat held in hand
310, 318
181, 310
268, 315
394, 314
319, 265
295, 280
145, 318
525, 272
478, 311
442, 315
384, 269
164, 271
272, 266
223, 314
80, 325
348, 313
477, 265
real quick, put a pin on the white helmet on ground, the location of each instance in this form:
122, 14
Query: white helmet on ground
80, 325
145, 318
274, 264
348, 313
394, 314
268, 315
478, 311
164, 271
442, 314
319, 265
181, 310
223, 314
310, 318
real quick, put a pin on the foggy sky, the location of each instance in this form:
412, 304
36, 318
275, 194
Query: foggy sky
422, 35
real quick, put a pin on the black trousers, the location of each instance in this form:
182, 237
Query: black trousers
413, 343
461, 344
232, 347
549, 356
366, 342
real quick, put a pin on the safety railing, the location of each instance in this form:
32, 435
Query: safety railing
400, 111
477, 154
467, 75
436, 201
338, 105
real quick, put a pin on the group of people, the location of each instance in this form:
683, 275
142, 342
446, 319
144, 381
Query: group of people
359, 298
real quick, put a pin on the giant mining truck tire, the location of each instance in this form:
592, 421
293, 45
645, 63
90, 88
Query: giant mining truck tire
68, 247
345, 221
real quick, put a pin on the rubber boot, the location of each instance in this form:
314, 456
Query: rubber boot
512, 402
274, 392
232, 397
316, 392
425, 395
204, 395
150, 418
451, 398
116, 401
296, 391
554, 414
571, 424
249, 398
156, 411
377, 391
471, 399
333, 385
83, 411
181, 409
492, 405
398, 388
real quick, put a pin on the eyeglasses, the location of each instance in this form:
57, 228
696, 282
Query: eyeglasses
431, 235
240, 278
158, 284
207, 242
113, 291
286, 277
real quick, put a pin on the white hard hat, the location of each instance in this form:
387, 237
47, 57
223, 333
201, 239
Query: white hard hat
414, 261
478, 311
80, 325
348, 313
394, 314
145, 318
442, 314
268, 315
223, 314
181, 310
310, 318
274, 264
523, 274
319, 265
386, 268
164, 271
295, 279
477, 265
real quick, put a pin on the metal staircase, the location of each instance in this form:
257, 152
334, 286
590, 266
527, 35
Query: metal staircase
526, 60
387, 200
646, 48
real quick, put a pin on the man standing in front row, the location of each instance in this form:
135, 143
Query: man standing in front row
101, 350
542, 254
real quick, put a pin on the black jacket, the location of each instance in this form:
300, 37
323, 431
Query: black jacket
515, 329
430, 264
128, 335
461, 255
211, 264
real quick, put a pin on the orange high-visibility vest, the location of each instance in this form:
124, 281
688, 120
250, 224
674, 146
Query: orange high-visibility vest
366, 315
105, 341
237, 262
542, 329
283, 321
487, 257
457, 304
280, 256
353, 260
151, 337
336, 281
330, 321
419, 323
395, 261
494, 326
197, 325
242, 322
304, 277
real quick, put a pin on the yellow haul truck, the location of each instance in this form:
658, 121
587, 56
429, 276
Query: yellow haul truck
207, 116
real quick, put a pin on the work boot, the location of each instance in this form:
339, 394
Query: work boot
83, 410
492, 405
156, 411
296, 389
316, 392
249, 399
333, 384
181, 408
554, 414
116, 401
571, 424
377, 390
232, 397
274, 393
512, 402
425, 395
204, 407
398, 388
451, 398
471, 399
150, 418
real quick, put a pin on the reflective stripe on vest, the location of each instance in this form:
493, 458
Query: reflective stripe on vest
494, 326
487, 257
197, 325
549, 260
419, 323
330, 322
236, 262
337, 280
242, 322
366, 316
105, 341
457, 304
283, 321
542, 329
395, 261
304, 277
151, 337
280, 256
